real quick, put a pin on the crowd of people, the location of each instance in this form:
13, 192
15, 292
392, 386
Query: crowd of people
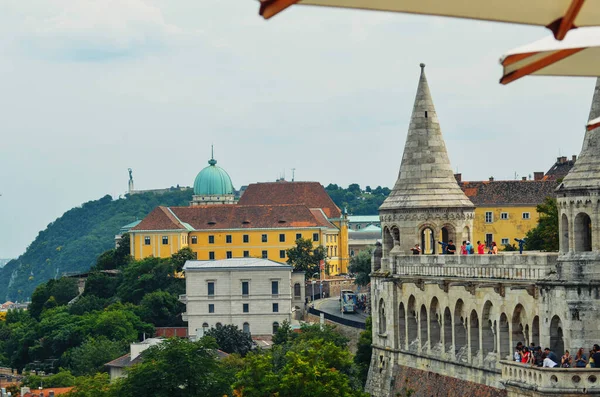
466, 248
534, 355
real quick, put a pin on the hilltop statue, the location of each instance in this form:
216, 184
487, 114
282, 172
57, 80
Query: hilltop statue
131, 189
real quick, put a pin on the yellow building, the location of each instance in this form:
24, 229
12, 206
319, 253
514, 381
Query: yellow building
267, 221
505, 210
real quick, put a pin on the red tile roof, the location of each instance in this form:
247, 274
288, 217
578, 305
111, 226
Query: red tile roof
57, 391
225, 216
515, 193
312, 194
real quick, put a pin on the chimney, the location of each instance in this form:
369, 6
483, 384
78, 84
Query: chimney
563, 159
574, 158
51, 393
523, 178
538, 176
458, 177
491, 179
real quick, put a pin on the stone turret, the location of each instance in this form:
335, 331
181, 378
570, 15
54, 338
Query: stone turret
426, 204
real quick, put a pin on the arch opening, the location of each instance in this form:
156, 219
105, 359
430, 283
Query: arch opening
388, 241
423, 323
564, 233
435, 318
402, 326
412, 326
428, 241
460, 333
535, 331
474, 331
583, 232
557, 343
519, 323
503, 331
382, 320
488, 330
246, 328
448, 331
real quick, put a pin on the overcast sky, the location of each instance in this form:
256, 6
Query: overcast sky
89, 88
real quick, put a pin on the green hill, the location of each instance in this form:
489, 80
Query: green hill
74, 241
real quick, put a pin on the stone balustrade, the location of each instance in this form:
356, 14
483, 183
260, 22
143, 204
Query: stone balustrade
551, 380
509, 267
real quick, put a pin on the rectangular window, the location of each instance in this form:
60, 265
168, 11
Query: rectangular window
298, 236
274, 287
246, 238
315, 236
246, 307
211, 239
194, 239
211, 307
229, 255
281, 238
505, 241
264, 238
211, 288
504, 215
147, 240
282, 254
165, 240
489, 217
228, 239
525, 215
245, 287
275, 307
489, 237
211, 256
264, 254
246, 254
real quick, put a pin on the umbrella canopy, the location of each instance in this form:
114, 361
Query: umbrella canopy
576, 55
558, 15
593, 124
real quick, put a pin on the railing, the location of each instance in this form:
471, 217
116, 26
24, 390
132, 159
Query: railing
571, 380
336, 319
510, 267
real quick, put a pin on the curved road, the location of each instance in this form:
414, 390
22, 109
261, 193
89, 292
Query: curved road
332, 306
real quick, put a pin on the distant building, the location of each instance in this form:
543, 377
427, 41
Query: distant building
256, 295
359, 240
560, 169
358, 222
117, 367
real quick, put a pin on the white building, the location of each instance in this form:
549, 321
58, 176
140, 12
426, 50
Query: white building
118, 366
254, 294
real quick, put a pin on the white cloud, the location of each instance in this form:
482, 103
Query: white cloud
88, 29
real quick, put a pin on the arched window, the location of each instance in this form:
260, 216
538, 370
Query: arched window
218, 325
427, 241
435, 318
460, 332
519, 322
564, 233
205, 326
411, 323
447, 330
246, 328
275, 327
557, 344
402, 326
583, 232
382, 319
488, 330
423, 323
505, 348
474, 325
297, 290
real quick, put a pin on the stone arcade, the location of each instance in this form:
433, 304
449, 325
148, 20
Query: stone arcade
448, 324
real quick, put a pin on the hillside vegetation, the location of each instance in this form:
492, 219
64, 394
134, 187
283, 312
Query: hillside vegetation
74, 241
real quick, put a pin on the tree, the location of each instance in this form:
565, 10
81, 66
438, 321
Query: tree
362, 358
360, 265
545, 235
178, 368
161, 309
284, 333
97, 385
305, 257
90, 357
180, 257
231, 339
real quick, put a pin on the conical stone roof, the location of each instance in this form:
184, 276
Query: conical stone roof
585, 174
426, 179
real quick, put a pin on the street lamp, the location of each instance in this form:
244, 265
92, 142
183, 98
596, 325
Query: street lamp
313, 286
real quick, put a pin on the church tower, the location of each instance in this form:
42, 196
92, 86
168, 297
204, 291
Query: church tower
426, 205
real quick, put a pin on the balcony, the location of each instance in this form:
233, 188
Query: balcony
526, 267
183, 298
184, 316
551, 380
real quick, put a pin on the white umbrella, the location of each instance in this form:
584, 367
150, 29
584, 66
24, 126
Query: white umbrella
558, 15
577, 55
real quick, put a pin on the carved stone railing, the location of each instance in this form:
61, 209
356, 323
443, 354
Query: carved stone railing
551, 380
509, 267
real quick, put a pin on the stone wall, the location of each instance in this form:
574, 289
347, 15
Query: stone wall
430, 384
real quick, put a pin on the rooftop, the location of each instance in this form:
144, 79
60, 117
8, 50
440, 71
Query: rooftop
363, 218
311, 194
235, 263
216, 217
510, 193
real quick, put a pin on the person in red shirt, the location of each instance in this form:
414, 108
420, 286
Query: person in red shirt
463, 248
480, 248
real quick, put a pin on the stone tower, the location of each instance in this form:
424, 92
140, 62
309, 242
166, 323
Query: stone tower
426, 204
578, 201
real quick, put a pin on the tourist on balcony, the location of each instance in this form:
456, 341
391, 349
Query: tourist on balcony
494, 250
526, 357
551, 360
451, 248
470, 249
566, 360
518, 354
580, 359
480, 248
595, 357
416, 250
463, 248
538, 356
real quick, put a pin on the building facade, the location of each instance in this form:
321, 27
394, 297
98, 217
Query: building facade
448, 324
256, 295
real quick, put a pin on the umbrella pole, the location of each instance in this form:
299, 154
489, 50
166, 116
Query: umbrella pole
537, 65
269, 8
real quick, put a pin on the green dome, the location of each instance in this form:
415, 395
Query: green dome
212, 180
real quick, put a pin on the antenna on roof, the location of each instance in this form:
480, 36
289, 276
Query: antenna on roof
212, 151
293, 174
